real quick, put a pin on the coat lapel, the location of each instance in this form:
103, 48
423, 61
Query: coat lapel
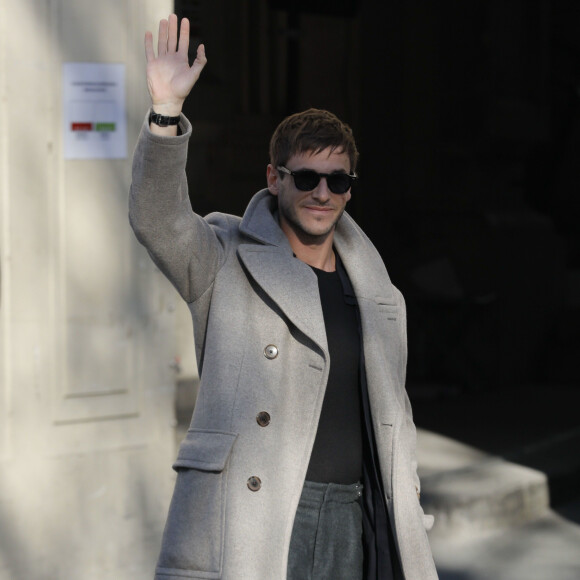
293, 287
380, 312
363, 263
268, 258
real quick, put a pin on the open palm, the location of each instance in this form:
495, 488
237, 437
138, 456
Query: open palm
170, 78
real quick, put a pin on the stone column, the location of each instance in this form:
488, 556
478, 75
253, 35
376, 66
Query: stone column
87, 324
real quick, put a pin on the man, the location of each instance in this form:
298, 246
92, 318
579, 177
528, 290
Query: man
300, 459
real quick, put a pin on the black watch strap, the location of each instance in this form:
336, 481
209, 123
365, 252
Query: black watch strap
163, 120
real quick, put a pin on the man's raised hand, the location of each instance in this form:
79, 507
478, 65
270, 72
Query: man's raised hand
169, 76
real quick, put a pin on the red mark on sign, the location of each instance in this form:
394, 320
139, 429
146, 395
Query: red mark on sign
82, 126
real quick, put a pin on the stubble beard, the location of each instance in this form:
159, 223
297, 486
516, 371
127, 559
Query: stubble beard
305, 235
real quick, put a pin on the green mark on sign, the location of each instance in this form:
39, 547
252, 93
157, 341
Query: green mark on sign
105, 126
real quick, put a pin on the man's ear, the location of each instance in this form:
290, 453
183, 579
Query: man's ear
272, 178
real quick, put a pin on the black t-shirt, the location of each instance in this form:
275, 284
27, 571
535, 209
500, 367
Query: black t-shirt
337, 453
344, 449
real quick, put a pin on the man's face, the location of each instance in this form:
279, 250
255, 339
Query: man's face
309, 215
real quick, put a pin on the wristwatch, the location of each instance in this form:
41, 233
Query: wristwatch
163, 120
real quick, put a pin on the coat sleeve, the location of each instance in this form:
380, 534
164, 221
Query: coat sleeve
181, 243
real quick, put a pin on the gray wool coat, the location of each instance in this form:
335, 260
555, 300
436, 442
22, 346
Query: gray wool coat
239, 478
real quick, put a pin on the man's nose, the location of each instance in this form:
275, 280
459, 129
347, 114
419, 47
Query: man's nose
321, 191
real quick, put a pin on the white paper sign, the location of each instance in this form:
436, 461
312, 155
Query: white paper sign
94, 116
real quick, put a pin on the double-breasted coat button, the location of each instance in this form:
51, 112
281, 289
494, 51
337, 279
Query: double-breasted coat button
271, 351
263, 418
254, 483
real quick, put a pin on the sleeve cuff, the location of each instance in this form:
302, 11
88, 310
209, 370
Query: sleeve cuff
184, 130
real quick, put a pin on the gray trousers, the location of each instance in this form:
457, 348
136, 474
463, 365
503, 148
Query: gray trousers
326, 542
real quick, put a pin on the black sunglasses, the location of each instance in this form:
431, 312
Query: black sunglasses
308, 179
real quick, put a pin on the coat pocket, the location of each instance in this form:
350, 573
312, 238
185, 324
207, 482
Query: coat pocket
193, 538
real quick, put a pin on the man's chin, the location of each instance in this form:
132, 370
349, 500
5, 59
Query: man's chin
310, 231
311, 235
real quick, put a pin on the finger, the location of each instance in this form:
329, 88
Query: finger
184, 37
200, 57
149, 53
162, 39
172, 35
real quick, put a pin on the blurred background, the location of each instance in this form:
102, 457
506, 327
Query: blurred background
467, 118
466, 115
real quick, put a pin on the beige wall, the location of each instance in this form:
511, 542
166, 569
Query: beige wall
87, 324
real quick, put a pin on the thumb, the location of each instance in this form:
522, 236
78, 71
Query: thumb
199, 62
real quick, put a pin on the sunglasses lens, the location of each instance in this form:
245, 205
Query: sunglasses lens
306, 180
338, 182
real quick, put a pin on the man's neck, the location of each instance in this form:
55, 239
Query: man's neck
326, 262
318, 254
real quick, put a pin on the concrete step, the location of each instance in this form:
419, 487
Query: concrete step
546, 548
496, 457
469, 491
558, 457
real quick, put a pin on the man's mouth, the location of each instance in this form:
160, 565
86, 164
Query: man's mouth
318, 208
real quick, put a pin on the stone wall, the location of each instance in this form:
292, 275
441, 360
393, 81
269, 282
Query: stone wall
87, 324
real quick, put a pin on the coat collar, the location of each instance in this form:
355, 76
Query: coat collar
363, 263
294, 287
289, 282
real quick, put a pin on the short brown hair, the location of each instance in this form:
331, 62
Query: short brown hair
312, 130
